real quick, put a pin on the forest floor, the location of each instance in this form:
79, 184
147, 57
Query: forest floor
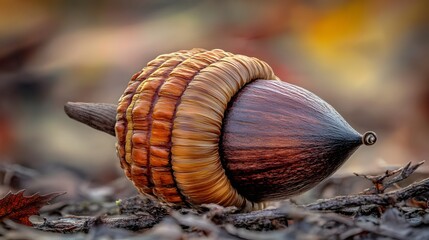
389, 207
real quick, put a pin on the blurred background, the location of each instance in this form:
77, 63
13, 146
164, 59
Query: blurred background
368, 58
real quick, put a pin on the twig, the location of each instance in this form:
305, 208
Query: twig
384, 199
378, 180
84, 223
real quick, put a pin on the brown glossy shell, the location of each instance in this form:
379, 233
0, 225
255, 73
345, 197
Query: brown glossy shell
279, 140
169, 125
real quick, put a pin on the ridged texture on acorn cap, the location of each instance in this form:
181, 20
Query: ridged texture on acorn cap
169, 123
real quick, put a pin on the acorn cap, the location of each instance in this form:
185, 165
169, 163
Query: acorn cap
169, 125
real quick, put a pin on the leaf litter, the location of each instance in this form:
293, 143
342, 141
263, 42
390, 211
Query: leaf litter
375, 213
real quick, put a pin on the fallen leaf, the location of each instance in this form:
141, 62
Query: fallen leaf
17, 207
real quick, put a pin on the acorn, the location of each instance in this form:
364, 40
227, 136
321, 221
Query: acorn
198, 126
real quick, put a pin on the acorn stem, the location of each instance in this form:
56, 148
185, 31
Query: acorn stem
369, 138
101, 116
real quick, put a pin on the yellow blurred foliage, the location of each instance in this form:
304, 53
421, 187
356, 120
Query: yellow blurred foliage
356, 39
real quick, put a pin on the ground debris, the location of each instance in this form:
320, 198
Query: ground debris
398, 214
382, 182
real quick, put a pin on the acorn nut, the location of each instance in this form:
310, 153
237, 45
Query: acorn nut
201, 126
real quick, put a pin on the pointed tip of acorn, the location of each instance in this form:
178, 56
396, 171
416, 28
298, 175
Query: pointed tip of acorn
369, 138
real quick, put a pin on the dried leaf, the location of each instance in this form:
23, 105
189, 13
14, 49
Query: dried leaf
17, 207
